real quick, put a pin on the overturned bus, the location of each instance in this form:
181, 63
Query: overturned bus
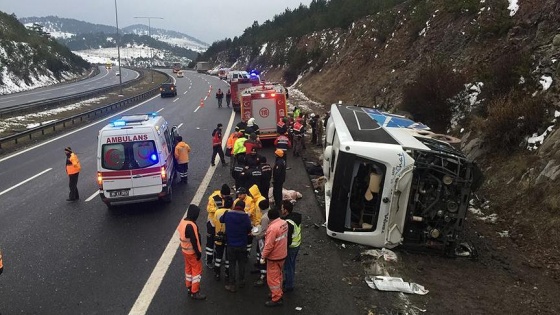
391, 181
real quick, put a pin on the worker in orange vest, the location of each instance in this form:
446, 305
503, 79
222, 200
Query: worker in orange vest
73, 168
274, 254
192, 252
182, 152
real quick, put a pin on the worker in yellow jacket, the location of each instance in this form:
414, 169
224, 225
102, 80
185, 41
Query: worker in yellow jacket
215, 202
182, 152
220, 240
73, 168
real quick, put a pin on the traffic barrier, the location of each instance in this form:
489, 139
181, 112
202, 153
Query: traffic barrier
201, 102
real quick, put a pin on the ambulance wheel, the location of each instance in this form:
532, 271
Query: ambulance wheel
167, 198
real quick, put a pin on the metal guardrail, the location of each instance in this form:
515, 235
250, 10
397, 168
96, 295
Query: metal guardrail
58, 101
71, 121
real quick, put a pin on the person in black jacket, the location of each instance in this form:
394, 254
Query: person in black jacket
220, 97
278, 178
266, 176
228, 97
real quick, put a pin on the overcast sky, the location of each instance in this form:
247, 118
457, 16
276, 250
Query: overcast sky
207, 20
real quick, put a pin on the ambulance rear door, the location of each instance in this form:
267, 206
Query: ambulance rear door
146, 169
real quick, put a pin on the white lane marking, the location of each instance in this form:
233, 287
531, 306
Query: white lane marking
159, 110
179, 125
145, 298
92, 196
197, 109
77, 130
175, 100
185, 92
25, 181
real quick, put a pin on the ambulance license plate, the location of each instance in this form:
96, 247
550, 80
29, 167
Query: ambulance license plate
119, 193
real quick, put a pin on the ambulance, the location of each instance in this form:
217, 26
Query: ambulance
267, 104
135, 160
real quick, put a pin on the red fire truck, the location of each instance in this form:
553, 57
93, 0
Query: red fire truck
267, 104
237, 87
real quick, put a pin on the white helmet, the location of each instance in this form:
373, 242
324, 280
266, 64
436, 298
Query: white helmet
251, 121
312, 115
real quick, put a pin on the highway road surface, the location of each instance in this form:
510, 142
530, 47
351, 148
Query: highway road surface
81, 258
106, 77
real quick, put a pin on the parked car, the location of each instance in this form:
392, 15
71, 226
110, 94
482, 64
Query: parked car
168, 89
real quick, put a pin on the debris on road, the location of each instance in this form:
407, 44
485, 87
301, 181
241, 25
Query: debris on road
394, 284
388, 255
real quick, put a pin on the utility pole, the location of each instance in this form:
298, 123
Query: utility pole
150, 35
118, 48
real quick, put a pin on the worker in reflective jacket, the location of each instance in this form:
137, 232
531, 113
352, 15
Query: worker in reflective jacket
191, 248
73, 168
182, 152
274, 253
220, 240
294, 241
215, 202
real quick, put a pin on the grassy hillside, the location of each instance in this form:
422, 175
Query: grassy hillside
26, 54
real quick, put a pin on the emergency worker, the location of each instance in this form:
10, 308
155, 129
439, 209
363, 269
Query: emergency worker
283, 143
259, 233
249, 209
266, 176
229, 148
240, 174
217, 145
220, 240
281, 127
278, 178
220, 97
298, 132
313, 122
254, 175
252, 127
274, 254
191, 248
252, 143
182, 152
239, 147
228, 97
73, 168
294, 241
241, 126
215, 202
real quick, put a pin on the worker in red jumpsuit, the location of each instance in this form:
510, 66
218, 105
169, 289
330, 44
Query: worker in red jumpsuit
192, 252
274, 254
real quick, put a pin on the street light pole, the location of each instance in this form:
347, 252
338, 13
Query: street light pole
118, 48
150, 35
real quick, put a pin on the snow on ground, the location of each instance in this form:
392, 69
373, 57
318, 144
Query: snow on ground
35, 119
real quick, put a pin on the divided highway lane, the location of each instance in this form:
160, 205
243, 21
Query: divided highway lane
72, 258
104, 78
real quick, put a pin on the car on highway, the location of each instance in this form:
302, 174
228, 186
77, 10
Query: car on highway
168, 89
117, 73
180, 74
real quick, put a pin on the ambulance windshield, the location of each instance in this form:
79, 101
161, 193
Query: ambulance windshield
129, 155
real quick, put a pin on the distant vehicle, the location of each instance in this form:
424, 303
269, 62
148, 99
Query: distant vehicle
117, 73
232, 75
177, 66
202, 66
108, 65
267, 104
168, 89
222, 73
135, 160
391, 181
180, 74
